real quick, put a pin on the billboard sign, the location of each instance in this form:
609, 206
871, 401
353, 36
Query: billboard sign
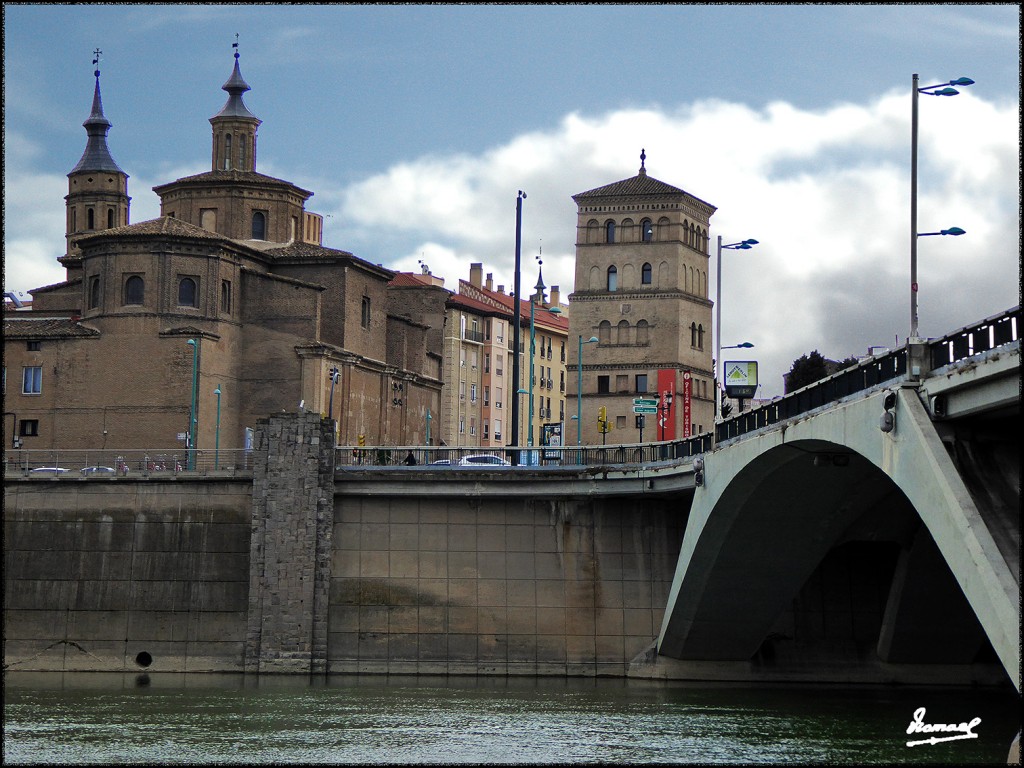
741, 378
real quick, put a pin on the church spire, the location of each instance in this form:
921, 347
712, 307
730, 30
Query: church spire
97, 155
643, 159
234, 127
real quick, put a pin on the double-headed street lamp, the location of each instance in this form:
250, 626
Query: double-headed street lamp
579, 384
941, 89
193, 408
743, 245
516, 379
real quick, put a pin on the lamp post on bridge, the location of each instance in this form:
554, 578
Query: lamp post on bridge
579, 384
743, 245
516, 315
941, 89
193, 408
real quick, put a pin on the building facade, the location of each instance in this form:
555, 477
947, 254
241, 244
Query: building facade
183, 331
641, 317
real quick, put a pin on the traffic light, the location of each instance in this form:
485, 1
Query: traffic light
698, 471
362, 440
602, 413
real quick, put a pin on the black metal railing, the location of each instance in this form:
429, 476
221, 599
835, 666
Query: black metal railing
100, 463
974, 339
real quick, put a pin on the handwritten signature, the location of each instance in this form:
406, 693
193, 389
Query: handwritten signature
961, 730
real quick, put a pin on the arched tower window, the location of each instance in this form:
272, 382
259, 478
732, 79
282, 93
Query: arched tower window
604, 332
243, 143
623, 332
609, 231
259, 226
110, 218
187, 295
94, 292
647, 230
134, 290
227, 152
613, 279
90, 219
642, 328
645, 274
693, 335
700, 337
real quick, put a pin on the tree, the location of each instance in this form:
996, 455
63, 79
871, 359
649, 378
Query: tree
806, 369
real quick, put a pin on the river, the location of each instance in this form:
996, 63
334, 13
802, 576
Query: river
105, 718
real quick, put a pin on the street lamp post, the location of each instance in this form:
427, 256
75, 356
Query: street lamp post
216, 442
516, 314
743, 245
941, 89
579, 384
335, 375
429, 419
193, 416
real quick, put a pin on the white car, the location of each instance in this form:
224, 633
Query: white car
98, 471
483, 460
48, 471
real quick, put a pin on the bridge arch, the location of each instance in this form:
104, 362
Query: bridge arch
774, 504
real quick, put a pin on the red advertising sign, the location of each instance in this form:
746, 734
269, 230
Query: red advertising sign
687, 393
666, 397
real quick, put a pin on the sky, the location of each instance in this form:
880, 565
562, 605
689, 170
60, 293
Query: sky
416, 125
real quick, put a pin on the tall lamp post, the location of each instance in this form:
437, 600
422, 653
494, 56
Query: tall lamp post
193, 408
216, 442
743, 245
516, 315
579, 384
941, 89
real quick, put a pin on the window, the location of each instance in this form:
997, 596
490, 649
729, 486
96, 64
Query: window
604, 332
110, 218
94, 292
487, 401
623, 332
609, 232
472, 425
603, 385
472, 393
497, 404
225, 296
208, 219
641, 382
645, 274
90, 219
243, 142
497, 429
134, 290
259, 225
486, 428
613, 279
462, 390
187, 294
33, 346
32, 380
28, 428
365, 318
700, 337
227, 159
647, 230
642, 336
693, 335
487, 362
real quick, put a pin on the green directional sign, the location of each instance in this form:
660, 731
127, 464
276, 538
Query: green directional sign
645, 409
645, 402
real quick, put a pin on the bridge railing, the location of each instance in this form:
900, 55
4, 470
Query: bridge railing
990, 333
466, 457
983, 336
110, 463
856, 378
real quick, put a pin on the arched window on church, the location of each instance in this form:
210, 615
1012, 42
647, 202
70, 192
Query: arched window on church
110, 218
693, 335
700, 337
227, 152
90, 219
94, 291
609, 231
187, 295
259, 226
243, 144
645, 274
613, 279
134, 290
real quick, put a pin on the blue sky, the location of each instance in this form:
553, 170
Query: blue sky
416, 125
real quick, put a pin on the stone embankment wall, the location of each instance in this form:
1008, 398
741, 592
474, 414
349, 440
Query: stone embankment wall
277, 574
123, 573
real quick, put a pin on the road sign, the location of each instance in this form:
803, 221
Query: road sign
648, 402
645, 409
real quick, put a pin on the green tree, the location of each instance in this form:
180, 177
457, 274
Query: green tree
806, 369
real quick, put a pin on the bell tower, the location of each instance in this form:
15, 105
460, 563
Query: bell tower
234, 127
97, 196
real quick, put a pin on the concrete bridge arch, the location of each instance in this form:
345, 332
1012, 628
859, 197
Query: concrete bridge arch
774, 504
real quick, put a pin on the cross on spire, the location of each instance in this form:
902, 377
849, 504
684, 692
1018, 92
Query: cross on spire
96, 60
235, 45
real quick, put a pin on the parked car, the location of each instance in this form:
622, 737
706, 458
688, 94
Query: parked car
98, 471
48, 471
483, 460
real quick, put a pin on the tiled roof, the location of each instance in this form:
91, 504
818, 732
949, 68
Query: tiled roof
460, 300
640, 185
19, 327
232, 177
411, 280
299, 250
165, 225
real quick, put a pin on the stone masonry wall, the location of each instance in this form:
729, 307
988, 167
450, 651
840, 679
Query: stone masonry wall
290, 551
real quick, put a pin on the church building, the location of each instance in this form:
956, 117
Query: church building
188, 328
